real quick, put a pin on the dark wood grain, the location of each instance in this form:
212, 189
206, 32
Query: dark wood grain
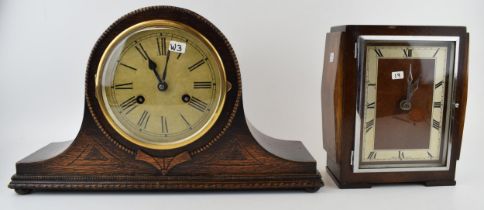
228, 157
414, 125
331, 95
339, 165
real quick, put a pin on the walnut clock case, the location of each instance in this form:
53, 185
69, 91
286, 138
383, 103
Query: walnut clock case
163, 111
394, 100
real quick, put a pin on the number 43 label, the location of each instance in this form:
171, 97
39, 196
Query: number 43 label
397, 75
178, 47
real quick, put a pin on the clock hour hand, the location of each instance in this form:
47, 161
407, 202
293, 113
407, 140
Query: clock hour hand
161, 83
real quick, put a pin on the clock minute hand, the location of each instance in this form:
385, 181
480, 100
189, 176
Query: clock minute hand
412, 86
409, 84
406, 104
166, 67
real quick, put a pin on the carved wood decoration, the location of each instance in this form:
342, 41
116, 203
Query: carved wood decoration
227, 157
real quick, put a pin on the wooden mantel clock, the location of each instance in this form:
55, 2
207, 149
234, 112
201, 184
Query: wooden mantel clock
394, 100
163, 111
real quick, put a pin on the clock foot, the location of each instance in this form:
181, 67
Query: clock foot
440, 183
23, 191
346, 185
311, 189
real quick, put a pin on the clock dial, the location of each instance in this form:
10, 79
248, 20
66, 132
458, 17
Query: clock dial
404, 97
162, 85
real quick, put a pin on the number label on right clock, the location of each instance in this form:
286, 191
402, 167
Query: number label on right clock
403, 107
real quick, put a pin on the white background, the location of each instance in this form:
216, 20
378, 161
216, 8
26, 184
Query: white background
44, 47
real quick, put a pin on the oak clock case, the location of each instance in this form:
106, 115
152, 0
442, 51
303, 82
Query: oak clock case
163, 111
405, 92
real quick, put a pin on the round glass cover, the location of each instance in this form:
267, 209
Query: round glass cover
161, 84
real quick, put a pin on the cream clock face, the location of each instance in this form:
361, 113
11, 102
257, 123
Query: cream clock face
405, 98
161, 84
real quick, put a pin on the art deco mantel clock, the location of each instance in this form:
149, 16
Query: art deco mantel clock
394, 100
163, 111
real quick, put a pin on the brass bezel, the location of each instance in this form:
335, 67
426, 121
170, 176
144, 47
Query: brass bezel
166, 24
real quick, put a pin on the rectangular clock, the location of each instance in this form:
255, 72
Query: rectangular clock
394, 103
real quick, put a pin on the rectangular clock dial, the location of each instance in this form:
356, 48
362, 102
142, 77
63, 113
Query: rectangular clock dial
404, 94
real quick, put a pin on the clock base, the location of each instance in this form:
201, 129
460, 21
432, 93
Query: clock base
238, 161
27, 184
369, 185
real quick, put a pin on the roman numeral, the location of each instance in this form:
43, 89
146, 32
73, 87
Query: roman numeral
430, 155
127, 66
378, 52
199, 85
437, 104
369, 125
143, 120
439, 84
435, 124
141, 50
164, 125
186, 121
197, 104
180, 54
128, 85
372, 155
161, 42
129, 105
437, 51
370, 105
371, 84
401, 156
407, 52
197, 64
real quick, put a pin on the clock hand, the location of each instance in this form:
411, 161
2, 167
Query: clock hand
166, 67
411, 85
413, 88
406, 104
410, 75
161, 83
